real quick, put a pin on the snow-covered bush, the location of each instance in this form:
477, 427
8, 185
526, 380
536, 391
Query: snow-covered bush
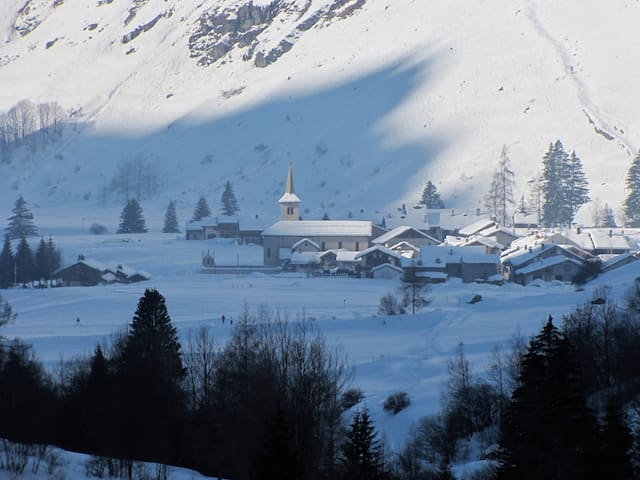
396, 402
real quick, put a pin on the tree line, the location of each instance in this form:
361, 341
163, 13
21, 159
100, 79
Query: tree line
32, 125
268, 404
272, 401
555, 194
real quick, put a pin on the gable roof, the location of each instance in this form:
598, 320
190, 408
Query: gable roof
477, 226
380, 248
439, 256
387, 266
320, 228
303, 240
547, 263
391, 234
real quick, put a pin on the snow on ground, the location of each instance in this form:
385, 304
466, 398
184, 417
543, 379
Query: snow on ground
388, 353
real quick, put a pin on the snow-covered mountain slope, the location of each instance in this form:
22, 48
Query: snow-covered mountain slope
367, 98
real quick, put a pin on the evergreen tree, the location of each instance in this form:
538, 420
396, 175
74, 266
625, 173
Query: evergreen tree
632, 201
42, 270
577, 184
548, 432
564, 186
229, 201
55, 256
132, 219
171, 219
149, 375
609, 217
500, 199
523, 208
24, 262
430, 196
7, 264
21, 222
202, 210
361, 453
279, 458
615, 444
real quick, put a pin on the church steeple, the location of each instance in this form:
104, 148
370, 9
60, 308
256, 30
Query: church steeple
289, 202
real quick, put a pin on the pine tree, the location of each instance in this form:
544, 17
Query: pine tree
229, 201
171, 219
577, 185
564, 186
361, 454
500, 199
609, 217
632, 201
202, 210
41, 262
150, 373
132, 219
24, 262
7, 264
279, 458
430, 196
548, 432
615, 443
21, 222
523, 208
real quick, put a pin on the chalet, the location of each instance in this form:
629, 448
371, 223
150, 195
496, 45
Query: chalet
618, 261
377, 255
546, 262
290, 233
89, 272
387, 270
224, 226
407, 234
468, 263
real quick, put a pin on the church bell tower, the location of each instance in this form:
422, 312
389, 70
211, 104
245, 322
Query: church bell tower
289, 202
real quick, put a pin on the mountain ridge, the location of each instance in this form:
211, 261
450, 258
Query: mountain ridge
368, 106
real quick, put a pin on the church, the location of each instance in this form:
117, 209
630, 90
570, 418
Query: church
291, 235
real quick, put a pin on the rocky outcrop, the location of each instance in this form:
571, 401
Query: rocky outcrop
221, 30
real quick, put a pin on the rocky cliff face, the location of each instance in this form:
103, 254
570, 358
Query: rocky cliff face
220, 30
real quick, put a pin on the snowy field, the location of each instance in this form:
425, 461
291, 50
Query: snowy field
389, 354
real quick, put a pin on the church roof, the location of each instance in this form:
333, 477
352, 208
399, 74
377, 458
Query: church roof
320, 228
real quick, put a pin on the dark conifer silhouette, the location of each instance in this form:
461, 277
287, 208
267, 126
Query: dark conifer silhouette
202, 210
171, 219
132, 219
229, 201
21, 222
361, 456
7, 264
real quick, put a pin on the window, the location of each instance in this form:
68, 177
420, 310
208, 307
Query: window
339, 244
268, 252
323, 247
357, 246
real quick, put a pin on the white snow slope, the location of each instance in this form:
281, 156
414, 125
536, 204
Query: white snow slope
372, 99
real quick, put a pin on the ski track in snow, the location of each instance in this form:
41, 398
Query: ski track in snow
592, 110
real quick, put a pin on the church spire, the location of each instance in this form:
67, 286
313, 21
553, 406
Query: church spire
289, 202
289, 187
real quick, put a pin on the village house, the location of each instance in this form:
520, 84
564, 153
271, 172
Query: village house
224, 226
89, 272
546, 262
291, 235
405, 233
470, 264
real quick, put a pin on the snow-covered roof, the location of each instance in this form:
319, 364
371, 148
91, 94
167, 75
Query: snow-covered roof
391, 234
477, 226
346, 256
97, 265
439, 275
547, 263
386, 266
482, 240
618, 259
289, 198
108, 277
380, 248
439, 256
607, 239
302, 241
320, 228
498, 229
404, 245
522, 256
